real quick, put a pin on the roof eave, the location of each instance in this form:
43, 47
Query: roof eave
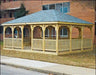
46, 23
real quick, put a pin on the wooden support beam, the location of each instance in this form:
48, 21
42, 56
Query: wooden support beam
57, 29
70, 35
43, 28
4, 37
92, 37
12, 36
32, 28
22, 43
82, 28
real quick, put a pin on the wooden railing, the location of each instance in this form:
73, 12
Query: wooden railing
12, 43
38, 44
17, 42
50, 44
8, 42
63, 44
87, 43
76, 44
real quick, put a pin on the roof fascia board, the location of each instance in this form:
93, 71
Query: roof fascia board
70, 23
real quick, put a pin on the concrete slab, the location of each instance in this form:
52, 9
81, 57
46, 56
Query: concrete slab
47, 67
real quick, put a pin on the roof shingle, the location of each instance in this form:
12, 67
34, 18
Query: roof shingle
47, 16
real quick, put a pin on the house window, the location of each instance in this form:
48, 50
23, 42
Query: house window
66, 7
52, 6
45, 7
59, 7
4, 15
10, 14
62, 7
64, 32
0, 16
47, 32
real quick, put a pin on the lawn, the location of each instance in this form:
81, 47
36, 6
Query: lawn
85, 59
1, 44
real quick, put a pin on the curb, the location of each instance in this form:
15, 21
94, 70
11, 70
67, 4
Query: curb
34, 69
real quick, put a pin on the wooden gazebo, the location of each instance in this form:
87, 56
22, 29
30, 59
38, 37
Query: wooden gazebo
47, 31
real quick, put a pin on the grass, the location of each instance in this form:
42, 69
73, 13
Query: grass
85, 59
1, 43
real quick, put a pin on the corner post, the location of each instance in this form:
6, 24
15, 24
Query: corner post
4, 37
12, 37
32, 37
92, 37
70, 35
82, 28
22, 43
57, 28
43, 28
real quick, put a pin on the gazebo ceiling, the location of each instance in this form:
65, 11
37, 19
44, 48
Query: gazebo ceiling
46, 16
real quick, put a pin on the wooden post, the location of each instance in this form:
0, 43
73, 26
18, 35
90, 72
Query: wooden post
57, 28
43, 28
22, 43
81, 38
70, 35
32, 37
4, 37
92, 37
12, 36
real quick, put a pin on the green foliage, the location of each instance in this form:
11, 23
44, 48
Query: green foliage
21, 12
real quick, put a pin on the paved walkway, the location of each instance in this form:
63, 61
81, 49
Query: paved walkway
47, 67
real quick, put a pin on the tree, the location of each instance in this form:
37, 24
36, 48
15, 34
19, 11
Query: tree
21, 12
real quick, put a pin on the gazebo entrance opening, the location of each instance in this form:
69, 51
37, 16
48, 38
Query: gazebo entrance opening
27, 37
37, 42
50, 39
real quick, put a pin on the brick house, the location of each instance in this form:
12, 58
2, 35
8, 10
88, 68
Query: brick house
80, 9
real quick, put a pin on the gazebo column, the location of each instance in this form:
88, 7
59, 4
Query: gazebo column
32, 28
70, 36
4, 37
22, 43
12, 37
57, 28
92, 37
81, 33
43, 28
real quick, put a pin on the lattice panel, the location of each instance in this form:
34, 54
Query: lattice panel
38, 44
76, 44
87, 43
64, 44
8, 42
17, 42
50, 44
27, 42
